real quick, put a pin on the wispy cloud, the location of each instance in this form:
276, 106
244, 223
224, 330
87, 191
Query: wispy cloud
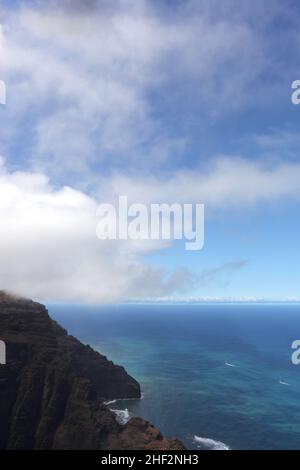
225, 183
220, 273
96, 83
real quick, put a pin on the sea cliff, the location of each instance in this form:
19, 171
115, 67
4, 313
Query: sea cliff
53, 388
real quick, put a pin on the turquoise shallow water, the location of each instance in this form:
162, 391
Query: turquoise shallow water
221, 372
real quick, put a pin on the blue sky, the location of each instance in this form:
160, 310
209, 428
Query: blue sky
186, 101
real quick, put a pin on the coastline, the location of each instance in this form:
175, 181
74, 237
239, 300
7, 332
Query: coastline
55, 389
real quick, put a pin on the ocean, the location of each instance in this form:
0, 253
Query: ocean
217, 376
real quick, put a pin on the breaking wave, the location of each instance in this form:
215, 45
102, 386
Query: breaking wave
110, 402
205, 443
122, 416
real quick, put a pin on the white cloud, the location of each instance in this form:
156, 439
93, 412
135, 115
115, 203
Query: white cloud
90, 92
88, 80
49, 248
48, 241
227, 182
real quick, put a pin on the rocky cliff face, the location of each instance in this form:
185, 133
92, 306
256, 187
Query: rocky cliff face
52, 389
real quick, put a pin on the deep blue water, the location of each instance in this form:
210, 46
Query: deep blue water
178, 353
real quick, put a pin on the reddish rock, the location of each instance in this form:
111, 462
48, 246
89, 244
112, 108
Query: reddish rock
139, 435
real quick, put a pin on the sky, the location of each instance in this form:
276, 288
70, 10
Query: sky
162, 101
